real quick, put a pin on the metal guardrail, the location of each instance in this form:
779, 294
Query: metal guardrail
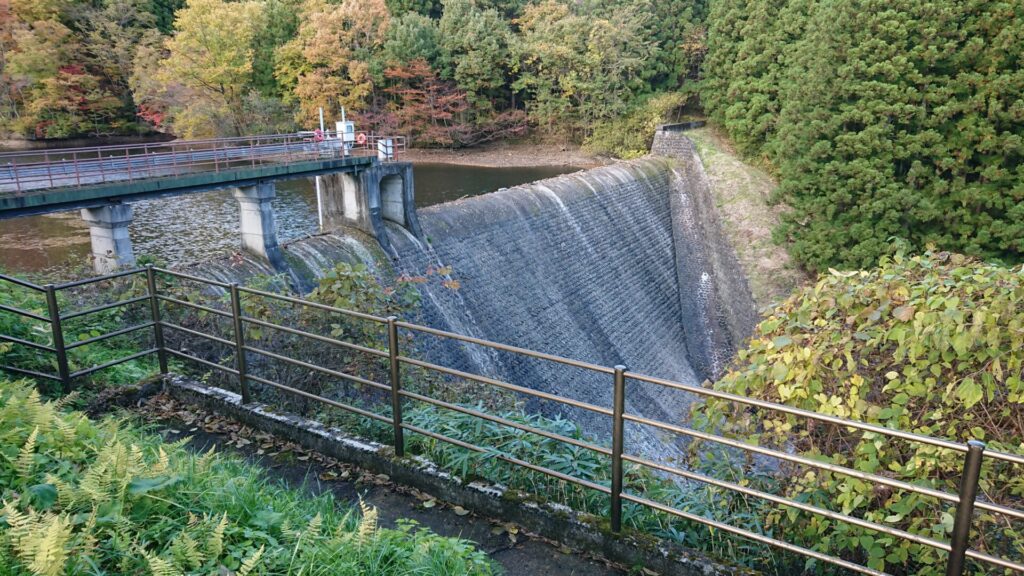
966, 500
22, 172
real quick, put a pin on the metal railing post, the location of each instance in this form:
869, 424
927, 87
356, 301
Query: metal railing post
618, 409
154, 310
236, 316
965, 509
396, 382
58, 338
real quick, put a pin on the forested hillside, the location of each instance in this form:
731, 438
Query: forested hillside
881, 119
454, 72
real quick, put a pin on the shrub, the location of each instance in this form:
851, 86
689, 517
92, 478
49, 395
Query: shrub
630, 135
929, 344
85, 497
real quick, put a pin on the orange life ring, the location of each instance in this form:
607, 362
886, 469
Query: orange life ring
361, 139
318, 135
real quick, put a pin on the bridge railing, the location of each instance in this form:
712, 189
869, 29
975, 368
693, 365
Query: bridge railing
964, 503
26, 171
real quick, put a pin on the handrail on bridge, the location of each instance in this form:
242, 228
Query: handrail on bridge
32, 170
966, 500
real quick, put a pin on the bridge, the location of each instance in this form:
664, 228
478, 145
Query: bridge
370, 187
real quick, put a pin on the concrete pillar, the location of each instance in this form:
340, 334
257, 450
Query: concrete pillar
259, 231
108, 230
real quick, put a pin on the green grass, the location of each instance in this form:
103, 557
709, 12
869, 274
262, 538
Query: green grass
85, 497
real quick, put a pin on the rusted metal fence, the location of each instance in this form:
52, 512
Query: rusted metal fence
966, 501
22, 172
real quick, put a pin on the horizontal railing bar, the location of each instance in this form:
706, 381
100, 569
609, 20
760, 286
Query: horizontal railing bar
200, 360
796, 459
297, 332
22, 283
506, 385
317, 398
178, 327
195, 306
325, 307
95, 279
509, 459
874, 428
28, 343
316, 368
219, 284
507, 348
753, 536
106, 365
113, 334
1001, 562
945, 546
104, 307
32, 373
24, 313
505, 422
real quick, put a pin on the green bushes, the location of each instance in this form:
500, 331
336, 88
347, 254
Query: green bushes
883, 119
83, 497
930, 344
630, 135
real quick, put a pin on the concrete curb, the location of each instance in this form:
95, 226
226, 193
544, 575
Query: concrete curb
551, 521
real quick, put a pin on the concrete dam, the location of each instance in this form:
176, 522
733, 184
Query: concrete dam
623, 264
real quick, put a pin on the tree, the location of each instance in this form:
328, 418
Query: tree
883, 119
410, 37
210, 60
475, 50
580, 69
328, 63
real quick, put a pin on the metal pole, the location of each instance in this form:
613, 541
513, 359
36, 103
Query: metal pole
58, 338
396, 398
618, 409
965, 509
236, 315
154, 310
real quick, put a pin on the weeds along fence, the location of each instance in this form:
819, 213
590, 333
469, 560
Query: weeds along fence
157, 298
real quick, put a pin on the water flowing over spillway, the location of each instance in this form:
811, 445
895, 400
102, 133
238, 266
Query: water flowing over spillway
623, 264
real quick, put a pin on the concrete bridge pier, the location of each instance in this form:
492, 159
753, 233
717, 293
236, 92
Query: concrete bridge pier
108, 231
369, 198
259, 230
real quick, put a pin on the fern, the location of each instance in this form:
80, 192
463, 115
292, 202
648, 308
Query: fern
160, 567
249, 564
39, 540
368, 525
48, 549
215, 545
26, 457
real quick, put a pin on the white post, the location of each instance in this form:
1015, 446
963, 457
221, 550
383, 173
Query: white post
319, 205
321, 120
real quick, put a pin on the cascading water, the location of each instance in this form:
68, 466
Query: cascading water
617, 265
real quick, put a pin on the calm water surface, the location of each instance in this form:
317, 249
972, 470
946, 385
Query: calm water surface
193, 227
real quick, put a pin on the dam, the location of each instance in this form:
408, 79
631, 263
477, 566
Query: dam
623, 264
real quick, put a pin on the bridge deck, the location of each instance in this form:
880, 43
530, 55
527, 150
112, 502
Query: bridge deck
53, 180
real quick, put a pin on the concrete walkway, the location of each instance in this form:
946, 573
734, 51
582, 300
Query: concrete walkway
519, 553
